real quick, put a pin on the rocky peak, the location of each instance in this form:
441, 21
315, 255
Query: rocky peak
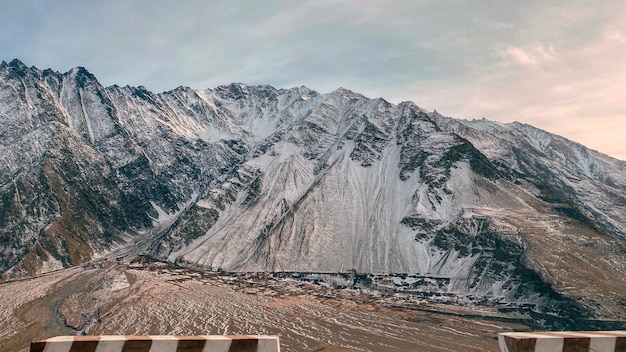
346, 93
17, 64
82, 77
16, 68
234, 90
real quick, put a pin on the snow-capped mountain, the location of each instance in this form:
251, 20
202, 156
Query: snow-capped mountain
253, 178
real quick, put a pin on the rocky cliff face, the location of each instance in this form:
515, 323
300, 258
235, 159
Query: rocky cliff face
261, 179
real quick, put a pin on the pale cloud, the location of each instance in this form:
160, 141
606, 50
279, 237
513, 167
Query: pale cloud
615, 36
537, 55
574, 86
578, 92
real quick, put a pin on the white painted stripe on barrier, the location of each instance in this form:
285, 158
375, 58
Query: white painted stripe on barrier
602, 344
163, 343
549, 344
502, 343
111, 343
61, 344
267, 345
218, 343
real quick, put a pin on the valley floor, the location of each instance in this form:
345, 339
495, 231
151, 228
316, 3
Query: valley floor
155, 298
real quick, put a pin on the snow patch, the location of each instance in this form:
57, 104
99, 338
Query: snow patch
119, 282
213, 134
49, 265
163, 216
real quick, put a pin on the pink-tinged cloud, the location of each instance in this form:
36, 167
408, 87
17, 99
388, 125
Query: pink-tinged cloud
574, 87
531, 57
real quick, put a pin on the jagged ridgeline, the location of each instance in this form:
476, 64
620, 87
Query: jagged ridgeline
253, 178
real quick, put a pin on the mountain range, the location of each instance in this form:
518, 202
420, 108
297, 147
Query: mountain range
254, 178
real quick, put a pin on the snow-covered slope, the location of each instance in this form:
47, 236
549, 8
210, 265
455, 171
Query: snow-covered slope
254, 178
593, 183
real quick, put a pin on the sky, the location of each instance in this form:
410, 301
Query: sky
557, 65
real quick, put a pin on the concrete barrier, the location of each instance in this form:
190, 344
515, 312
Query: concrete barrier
120, 343
578, 341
